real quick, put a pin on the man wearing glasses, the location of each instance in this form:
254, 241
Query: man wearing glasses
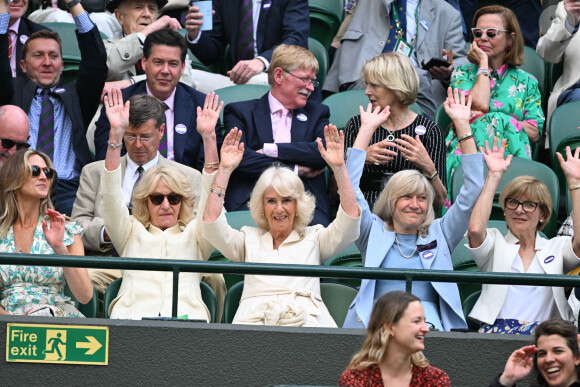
282, 127
14, 131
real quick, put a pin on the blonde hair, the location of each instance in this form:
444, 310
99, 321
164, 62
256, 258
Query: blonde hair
532, 189
286, 184
177, 183
13, 174
387, 311
406, 182
290, 58
393, 71
515, 56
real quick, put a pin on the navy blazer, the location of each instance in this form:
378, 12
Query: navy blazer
188, 146
25, 29
253, 118
80, 98
280, 21
375, 241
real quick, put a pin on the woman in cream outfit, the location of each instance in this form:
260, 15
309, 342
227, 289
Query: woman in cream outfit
282, 210
161, 225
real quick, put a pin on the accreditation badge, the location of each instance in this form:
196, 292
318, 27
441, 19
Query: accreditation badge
403, 47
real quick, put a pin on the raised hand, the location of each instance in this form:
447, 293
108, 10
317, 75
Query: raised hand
55, 234
457, 106
117, 112
570, 166
477, 56
208, 117
373, 118
334, 152
232, 150
494, 157
518, 365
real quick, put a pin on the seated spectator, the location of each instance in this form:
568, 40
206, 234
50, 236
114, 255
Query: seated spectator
252, 29
14, 131
505, 100
164, 54
405, 140
19, 29
561, 43
527, 208
282, 209
25, 180
403, 231
282, 126
392, 350
162, 223
431, 31
554, 357
59, 115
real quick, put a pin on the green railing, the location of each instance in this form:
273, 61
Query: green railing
178, 266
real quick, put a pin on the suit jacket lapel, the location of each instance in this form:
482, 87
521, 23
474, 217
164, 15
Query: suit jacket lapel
380, 249
426, 12
184, 108
262, 23
299, 126
262, 121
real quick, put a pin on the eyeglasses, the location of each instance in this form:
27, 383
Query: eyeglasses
134, 138
490, 32
308, 81
48, 172
8, 144
528, 206
172, 198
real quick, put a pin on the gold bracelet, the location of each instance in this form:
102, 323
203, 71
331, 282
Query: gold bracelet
214, 163
468, 135
465, 138
432, 176
210, 166
219, 194
573, 187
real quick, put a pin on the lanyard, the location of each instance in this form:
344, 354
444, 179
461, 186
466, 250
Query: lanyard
398, 22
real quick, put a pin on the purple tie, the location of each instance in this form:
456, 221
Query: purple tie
163, 142
45, 141
245, 46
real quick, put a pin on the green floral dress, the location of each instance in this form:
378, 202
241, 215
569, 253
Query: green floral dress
23, 288
514, 97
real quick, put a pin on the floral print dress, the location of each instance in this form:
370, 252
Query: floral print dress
23, 288
514, 97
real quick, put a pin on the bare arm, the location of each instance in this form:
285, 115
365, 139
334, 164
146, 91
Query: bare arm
477, 230
206, 121
571, 168
480, 92
118, 115
458, 108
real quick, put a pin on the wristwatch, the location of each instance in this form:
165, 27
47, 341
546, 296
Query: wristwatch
70, 4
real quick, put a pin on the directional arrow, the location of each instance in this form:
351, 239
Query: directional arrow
93, 345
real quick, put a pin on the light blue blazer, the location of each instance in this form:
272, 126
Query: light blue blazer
375, 241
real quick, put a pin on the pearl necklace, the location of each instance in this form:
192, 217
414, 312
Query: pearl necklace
400, 251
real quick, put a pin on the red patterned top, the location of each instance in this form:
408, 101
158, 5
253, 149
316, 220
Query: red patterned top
372, 377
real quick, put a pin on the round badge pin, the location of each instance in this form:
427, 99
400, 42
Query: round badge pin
420, 130
301, 117
427, 254
180, 128
23, 39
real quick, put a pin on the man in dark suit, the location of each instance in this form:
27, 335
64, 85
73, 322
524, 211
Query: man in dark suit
282, 126
19, 29
163, 62
59, 115
274, 23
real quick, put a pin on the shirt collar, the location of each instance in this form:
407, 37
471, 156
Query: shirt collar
170, 102
132, 166
14, 27
276, 106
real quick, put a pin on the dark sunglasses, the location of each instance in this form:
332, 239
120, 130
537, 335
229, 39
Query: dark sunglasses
490, 32
48, 172
172, 198
8, 144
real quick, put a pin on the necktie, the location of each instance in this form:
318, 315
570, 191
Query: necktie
9, 45
140, 171
402, 13
45, 141
245, 46
163, 142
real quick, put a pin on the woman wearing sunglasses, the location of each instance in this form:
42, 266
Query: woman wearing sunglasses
505, 100
527, 208
161, 225
29, 224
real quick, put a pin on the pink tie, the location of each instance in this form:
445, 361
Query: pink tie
283, 128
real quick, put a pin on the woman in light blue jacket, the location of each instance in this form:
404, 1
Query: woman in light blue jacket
403, 231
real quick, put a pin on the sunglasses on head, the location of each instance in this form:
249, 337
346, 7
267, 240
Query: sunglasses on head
48, 172
490, 32
8, 144
172, 198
